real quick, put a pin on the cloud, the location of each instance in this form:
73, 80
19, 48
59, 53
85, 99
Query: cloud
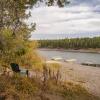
80, 16
85, 2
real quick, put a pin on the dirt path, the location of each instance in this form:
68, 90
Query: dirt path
86, 75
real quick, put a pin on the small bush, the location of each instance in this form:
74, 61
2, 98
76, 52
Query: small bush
17, 88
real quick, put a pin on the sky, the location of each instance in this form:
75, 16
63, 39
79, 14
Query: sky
81, 17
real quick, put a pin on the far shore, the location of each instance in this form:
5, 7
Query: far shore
74, 50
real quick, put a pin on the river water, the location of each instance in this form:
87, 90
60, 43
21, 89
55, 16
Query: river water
80, 57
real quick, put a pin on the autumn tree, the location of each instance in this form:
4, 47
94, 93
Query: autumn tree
15, 45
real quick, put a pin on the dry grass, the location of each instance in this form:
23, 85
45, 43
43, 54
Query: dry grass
71, 91
17, 88
23, 88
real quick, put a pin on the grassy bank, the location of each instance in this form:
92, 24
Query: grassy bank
22, 88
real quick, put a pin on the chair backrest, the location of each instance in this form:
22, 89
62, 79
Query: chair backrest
15, 67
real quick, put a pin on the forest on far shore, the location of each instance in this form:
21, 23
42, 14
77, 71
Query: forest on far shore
73, 43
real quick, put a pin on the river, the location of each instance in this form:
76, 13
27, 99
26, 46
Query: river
80, 57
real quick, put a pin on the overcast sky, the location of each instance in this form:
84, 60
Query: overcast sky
78, 17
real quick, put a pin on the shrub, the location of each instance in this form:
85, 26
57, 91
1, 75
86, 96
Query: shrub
17, 88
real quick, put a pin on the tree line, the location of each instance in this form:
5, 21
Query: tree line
73, 43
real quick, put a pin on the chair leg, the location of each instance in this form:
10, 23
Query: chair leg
27, 73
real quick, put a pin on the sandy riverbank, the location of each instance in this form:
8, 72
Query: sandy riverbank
72, 50
87, 76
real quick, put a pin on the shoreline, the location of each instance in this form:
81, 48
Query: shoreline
88, 77
72, 50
